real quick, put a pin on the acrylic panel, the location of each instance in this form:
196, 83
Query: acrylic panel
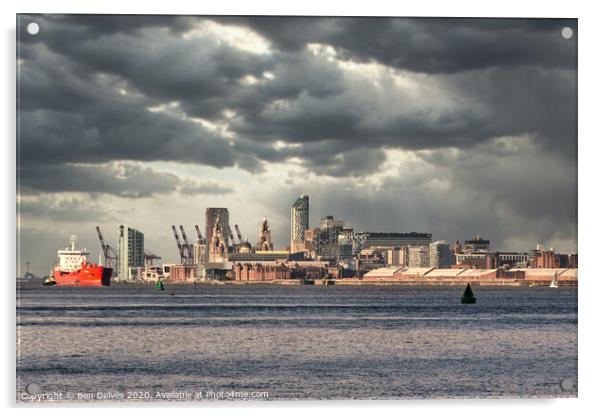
278, 207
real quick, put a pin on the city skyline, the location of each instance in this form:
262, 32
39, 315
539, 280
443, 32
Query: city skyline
442, 136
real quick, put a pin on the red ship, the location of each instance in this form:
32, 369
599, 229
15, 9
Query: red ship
73, 269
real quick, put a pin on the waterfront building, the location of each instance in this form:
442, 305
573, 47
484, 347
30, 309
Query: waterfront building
131, 251
369, 259
541, 258
199, 251
299, 221
475, 260
182, 273
329, 245
218, 248
345, 242
265, 236
476, 244
419, 256
268, 255
368, 240
212, 215
396, 256
511, 259
440, 255
280, 270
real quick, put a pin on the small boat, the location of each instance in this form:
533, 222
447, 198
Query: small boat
554, 282
159, 285
468, 296
49, 280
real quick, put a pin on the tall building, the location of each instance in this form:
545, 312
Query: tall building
299, 220
441, 255
332, 243
131, 251
419, 256
212, 215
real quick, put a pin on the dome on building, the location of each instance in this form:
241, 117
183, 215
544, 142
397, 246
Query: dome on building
245, 247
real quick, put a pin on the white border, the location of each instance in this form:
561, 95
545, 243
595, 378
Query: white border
589, 155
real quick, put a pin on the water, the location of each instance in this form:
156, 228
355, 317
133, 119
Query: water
295, 342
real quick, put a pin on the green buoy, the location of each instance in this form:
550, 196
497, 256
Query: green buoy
468, 296
159, 285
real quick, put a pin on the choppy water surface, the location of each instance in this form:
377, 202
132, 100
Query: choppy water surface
295, 342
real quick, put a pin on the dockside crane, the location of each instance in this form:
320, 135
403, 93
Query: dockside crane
229, 231
183, 252
188, 247
107, 251
198, 233
149, 257
238, 234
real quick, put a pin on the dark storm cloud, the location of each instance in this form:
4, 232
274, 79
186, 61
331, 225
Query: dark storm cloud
123, 180
147, 56
429, 45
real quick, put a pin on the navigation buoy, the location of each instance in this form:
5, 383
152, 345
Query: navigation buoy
159, 285
468, 296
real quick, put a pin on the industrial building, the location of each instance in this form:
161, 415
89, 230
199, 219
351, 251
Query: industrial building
299, 221
131, 251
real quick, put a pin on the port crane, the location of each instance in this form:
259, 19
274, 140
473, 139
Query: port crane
149, 257
198, 233
109, 254
183, 252
185, 249
235, 245
238, 234
188, 246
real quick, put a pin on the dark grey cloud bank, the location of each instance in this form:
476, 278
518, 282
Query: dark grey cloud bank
87, 83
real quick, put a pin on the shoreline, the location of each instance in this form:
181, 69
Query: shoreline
336, 282
357, 282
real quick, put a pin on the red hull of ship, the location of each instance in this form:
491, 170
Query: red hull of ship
88, 275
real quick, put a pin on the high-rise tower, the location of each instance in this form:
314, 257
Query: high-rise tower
131, 251
299, 221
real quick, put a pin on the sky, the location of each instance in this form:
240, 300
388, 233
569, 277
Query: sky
455, 127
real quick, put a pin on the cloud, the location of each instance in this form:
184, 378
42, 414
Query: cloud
430, 45
62, 208
123, 179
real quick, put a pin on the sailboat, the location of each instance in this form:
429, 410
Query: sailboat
468, 296
554, 282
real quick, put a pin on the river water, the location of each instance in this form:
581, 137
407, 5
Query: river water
257, 342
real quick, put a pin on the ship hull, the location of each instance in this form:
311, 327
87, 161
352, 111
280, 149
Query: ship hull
88, 275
